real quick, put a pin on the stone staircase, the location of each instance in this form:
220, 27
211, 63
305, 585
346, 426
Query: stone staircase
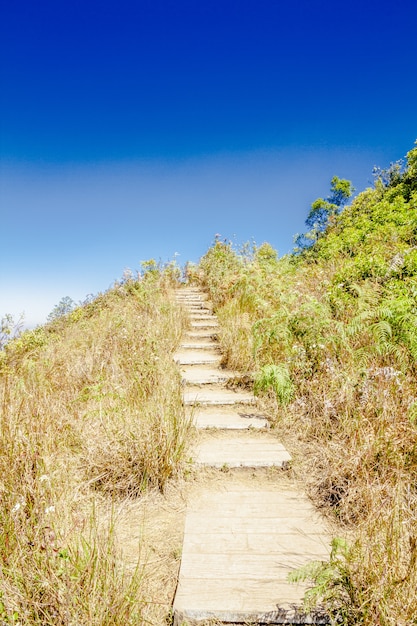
243, 536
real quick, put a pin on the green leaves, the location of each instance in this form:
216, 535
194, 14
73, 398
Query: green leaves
277, 378
331, 582
323, 211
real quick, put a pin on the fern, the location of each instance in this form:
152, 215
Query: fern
271, 334
382, 332
331, 583
277, 378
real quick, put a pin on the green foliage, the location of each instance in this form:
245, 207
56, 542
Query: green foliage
169, 273
331, 583
266, 255
277, 378
398, 176
410, 177
221, 266
323, 212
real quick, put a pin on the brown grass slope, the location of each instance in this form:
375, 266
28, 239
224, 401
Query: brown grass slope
91, 416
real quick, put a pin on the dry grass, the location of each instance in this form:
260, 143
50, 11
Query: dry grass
91, 415
151, 529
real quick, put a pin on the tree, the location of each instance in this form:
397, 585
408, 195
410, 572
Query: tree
410, 176
401, 174
65, 305
389, 177
323, 211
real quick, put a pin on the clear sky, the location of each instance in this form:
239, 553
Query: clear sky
139, 129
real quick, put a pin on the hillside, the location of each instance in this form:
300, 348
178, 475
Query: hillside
87, 427
330, 334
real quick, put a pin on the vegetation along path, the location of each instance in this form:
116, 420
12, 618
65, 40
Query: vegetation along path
242, 536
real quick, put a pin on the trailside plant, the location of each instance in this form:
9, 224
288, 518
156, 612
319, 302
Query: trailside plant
331, 336
277, 378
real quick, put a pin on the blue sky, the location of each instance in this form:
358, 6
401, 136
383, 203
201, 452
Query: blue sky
139, 129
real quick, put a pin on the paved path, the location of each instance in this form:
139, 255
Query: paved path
242, 538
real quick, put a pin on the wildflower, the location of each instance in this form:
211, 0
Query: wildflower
18, 506
50, 509
44, 478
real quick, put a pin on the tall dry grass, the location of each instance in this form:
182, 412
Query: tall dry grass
91, 413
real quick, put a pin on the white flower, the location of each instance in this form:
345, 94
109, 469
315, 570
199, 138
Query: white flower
18, 506
44, 478
50, 509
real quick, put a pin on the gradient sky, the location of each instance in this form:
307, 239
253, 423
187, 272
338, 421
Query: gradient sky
139, 129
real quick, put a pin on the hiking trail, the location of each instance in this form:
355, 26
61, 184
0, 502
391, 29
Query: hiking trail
242, 537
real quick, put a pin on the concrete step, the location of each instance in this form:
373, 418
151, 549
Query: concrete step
200, 345
243, 449
201, 342
204, 375
214, 397
201, 315
240, 544
227, 418
198, 309
211, 323
197, 357
202, 332
191, 297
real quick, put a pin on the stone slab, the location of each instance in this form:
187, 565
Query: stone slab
228, 419
203, 305
211, 323
197, 357
196, 315
205, 376
203, 332
239, 546
248, 451
200, 345
217, 397
191, 297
